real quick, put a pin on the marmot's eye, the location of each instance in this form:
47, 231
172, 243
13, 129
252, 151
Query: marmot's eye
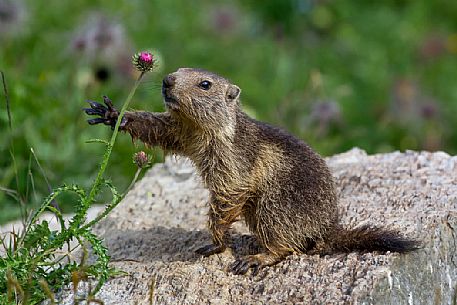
205, 85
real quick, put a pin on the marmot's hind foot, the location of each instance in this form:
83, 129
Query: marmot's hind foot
243, 264
256, 262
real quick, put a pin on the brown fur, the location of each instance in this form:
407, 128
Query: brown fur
282, 189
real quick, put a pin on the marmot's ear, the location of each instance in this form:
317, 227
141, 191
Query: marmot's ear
233, 92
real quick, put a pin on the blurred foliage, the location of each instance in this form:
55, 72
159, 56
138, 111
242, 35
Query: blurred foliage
377, 75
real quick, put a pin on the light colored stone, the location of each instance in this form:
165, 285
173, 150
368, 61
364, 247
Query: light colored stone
153, 233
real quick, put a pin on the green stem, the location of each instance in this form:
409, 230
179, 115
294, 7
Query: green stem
98, 181
110, 207
138, 171
10, 126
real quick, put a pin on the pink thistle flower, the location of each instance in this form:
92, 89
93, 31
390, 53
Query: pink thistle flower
143, 61
146, 57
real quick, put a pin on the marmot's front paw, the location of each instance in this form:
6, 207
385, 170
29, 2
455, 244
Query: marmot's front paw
108, 115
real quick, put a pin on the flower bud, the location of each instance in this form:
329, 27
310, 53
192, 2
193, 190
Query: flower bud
141, 159
143, 61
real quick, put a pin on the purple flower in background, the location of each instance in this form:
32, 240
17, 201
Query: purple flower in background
12, 16
101, 45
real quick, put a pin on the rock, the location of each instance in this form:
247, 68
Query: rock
153, 233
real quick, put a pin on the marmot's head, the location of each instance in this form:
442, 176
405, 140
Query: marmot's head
204, 98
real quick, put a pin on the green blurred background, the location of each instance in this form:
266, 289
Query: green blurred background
339, 74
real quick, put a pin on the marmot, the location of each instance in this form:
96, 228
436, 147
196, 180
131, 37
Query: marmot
282, 189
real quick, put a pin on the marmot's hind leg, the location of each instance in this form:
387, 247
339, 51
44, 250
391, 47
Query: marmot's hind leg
220, 219
257, 261
218, 229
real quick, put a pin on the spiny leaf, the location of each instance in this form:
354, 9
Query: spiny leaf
114, 202
97, 141
47, 202
38, 235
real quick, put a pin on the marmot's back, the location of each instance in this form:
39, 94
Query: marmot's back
296, 201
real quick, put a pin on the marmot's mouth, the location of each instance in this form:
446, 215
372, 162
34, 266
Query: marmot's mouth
170, 102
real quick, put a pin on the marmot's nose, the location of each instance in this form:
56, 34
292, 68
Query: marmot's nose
168, 81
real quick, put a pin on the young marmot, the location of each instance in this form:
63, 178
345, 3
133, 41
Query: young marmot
281, 188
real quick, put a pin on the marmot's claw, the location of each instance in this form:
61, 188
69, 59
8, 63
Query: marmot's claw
95, 105
255, 270
210, 249
91, 111
96, 121
243, 264
108, 102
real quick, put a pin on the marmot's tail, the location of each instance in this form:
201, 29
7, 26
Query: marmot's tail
369, 238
